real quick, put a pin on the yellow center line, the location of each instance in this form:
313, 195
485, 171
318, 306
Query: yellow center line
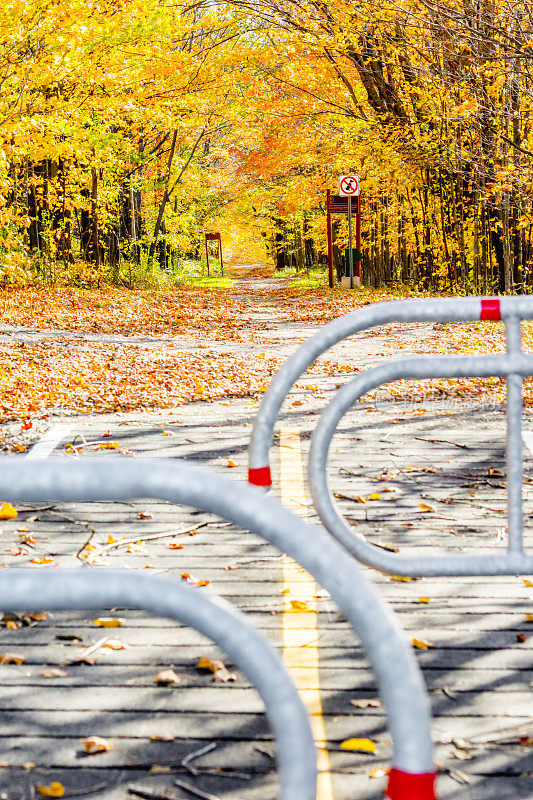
300, 629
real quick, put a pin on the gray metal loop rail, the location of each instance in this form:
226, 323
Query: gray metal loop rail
103, 588
468, 309
514, 364
399, 679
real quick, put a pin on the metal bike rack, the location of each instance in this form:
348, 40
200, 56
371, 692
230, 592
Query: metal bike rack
399, 678
513, 365
468, 309
103, 588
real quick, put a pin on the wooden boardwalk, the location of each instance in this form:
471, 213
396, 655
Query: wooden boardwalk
479, 670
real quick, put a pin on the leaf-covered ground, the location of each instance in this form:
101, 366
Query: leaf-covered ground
95, 373
189, 311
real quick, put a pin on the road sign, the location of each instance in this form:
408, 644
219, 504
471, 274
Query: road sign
349, 185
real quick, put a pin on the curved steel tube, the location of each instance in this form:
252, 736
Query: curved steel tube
516, 562
103, 588
431, 310
399, 679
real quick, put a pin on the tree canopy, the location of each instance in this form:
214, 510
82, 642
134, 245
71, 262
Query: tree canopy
130, 128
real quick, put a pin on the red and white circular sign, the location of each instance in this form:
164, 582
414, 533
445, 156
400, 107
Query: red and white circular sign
349, 185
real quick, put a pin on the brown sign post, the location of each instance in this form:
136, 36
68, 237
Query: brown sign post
214, 237
337, 204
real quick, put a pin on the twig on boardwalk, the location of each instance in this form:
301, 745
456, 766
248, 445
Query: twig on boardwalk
136, 539
264, 751
80, 792
152, 794
185, 762
196, 792
148, 537
88, 651
443, 441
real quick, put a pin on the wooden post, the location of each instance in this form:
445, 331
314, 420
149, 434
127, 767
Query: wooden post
220, 252
330, 243
207, 255
358, 238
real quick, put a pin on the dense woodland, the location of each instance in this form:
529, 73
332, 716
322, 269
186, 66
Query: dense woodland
130, 128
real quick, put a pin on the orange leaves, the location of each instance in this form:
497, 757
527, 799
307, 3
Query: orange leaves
96, 744
421, 644
120, 377
185, 576
12, 658
191, 310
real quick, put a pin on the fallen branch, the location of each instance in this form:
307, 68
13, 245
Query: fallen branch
146, 538
152, 794
88, 651
185, 762
196, 792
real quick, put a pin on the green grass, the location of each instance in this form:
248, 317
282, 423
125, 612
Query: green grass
213, 281
315, 277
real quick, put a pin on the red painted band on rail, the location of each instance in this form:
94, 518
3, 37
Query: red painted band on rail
406, 786
490, 308
260, 476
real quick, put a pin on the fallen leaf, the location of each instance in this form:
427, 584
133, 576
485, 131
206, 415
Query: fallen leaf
7, 511
108, 446
527, 582
366, 703
420, 644
218, 668
159, 768
521, 637
168, 433
109, 622
363, 745
378, 772
39, 616
53, 672
175, 546
144, 515
374, 496
422, 600
299, 605
43, 560
12, 658
528, 618
114, 644
231, 463
185, 576
425, 507
401, 578
96, 744
56, 789
167, 677
163, 738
